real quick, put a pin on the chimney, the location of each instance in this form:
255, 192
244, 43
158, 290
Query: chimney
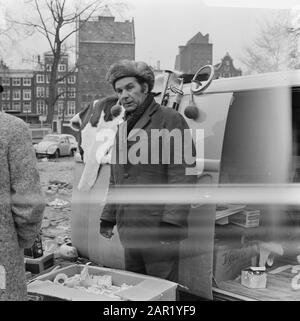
158, 65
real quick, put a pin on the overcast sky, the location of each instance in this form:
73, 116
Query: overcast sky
163, 25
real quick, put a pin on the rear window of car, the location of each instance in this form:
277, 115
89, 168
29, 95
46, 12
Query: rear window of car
51, 138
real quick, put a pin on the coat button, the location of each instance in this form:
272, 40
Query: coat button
126, 175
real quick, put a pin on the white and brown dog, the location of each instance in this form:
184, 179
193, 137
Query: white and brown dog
97, 125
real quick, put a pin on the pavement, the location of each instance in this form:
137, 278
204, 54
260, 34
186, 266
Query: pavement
56, 176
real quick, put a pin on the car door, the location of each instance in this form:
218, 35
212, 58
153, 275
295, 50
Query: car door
63, 146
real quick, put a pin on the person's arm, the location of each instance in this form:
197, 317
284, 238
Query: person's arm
27, 199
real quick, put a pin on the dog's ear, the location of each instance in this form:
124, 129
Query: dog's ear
75, 123
97, 109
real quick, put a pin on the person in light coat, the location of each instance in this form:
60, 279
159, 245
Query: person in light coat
21, 205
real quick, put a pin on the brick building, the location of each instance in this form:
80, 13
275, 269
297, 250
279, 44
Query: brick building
101, 42
195, 54
18, 95
226, 69
26, 92
65, 107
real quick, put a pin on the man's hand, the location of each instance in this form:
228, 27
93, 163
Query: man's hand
106, 229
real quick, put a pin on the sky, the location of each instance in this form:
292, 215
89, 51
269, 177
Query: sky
163, 25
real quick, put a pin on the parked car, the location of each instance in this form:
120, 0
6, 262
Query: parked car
72, 140
56, 145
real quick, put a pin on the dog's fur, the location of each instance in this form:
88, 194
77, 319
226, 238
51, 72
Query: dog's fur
97, 128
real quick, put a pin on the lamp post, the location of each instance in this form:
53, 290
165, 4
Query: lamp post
26, 109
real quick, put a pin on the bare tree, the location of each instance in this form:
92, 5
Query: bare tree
57, 22
275, 47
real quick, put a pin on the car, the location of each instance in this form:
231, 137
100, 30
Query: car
56, 145
72, 140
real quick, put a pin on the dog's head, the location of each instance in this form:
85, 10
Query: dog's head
93, 115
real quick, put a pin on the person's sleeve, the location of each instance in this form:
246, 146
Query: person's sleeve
27, 199
109, 211
175, 213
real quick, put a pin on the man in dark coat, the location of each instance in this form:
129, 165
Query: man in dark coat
21, 205
150, 233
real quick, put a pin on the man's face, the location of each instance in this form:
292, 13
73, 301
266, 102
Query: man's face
131, 94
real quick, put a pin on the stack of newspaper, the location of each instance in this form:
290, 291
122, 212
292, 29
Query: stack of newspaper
223, 211
248, 217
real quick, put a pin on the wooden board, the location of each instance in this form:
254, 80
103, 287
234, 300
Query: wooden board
278, 288
85, 223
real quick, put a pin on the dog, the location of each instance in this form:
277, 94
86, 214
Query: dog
97, 125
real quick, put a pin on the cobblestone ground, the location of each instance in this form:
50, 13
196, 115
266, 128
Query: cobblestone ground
56, 177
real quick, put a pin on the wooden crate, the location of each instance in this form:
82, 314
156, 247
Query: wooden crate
278, 288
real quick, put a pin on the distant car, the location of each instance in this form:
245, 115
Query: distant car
72, 140
56, 145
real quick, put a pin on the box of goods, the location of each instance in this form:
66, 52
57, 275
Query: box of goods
254, 277
230, 259
92, 283
247, 218
39, 264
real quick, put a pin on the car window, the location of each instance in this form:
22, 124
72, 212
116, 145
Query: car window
51, 138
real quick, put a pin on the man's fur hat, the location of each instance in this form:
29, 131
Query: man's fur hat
130, 68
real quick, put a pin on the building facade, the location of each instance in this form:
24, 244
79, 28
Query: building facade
226, 69
101, 42
26, 92
18, 94
196, 53
65, 106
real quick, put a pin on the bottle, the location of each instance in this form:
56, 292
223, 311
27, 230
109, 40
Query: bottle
37, 248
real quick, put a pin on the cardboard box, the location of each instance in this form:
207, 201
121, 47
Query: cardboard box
231, 259
144, 288
254, 279
38, 265
247, 218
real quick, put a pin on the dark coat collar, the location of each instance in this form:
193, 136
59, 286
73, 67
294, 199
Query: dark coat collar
144, 120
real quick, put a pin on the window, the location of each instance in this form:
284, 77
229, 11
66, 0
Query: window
47, 79
16, 106
60, 108
16, 81
26, 81
47, 91
61, 67
27, 107
41, 107
71, 110
5, 106
48, 67
5, 81
26, 94
40, 91
61, 92
84, 104
72, 92
6, 95
40, 79
16, 94
61, 80
72, 79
